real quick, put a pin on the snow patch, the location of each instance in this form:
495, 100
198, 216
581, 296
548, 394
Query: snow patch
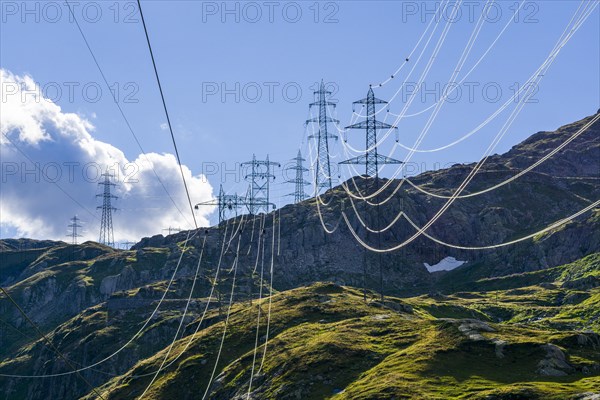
447, 264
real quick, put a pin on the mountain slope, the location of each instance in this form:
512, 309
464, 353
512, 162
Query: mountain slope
91, 299
326, 342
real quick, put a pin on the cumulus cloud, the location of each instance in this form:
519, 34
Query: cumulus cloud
51, 165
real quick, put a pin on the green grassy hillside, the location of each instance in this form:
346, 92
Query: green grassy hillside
538, 341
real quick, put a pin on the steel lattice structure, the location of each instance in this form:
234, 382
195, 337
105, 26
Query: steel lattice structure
299, 181
225, 202
171, 230
106, 224
371, 159
74, 225
259, 177
322, 171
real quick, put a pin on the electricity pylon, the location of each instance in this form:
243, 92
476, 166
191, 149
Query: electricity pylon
259, 177
323, 168
299, 181
74, 225
127, 245
106, 224
172, 230
371, 159
225, 202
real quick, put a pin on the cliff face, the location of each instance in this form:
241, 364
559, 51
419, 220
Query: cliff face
88, 294
559, 187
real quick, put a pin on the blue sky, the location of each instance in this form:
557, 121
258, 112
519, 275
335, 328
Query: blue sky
200, 46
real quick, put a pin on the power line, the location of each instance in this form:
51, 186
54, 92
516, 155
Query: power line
407, 59
537, 74
264, 356
259, 308
190, 236
260, 177
453, 89
553, 54
37, 167
422, 230
181, 321
428, 67
226, 203
49, 342
162, 97
424, 74
226, 323
209, 298
135, 138
467, 180
551, 57
371, 159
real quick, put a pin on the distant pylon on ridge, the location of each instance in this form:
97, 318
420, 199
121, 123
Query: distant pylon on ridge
106, 223
74, 225
259, 177
371, 159
172, 230
227, 204
322, 170
299, 181
127, 245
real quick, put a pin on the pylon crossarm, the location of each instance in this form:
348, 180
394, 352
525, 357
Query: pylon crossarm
326, 119
366, 124
366, 100
207, 203
387, 160
327, 103
329, 136
361, 160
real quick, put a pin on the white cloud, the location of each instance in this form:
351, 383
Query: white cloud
164, 126
62, 146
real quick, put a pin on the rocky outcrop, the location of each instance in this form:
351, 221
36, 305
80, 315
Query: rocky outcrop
126, 279
555, 363
473, 328
587, 396
587, 282
554, 190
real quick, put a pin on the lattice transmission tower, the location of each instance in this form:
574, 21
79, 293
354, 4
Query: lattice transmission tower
171, 230
226, 203
299, 181
74, 226
322, 171
371, 159
106, 223
127, 245
260, 176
